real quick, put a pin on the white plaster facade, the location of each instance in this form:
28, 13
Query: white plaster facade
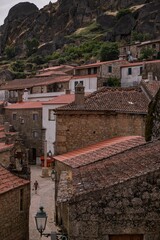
89, 82
131, 75
49, 125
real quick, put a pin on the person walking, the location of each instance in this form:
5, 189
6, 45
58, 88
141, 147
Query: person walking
35, 186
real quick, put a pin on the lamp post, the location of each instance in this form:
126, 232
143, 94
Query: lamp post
41, 220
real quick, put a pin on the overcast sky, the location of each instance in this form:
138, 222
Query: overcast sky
5, 6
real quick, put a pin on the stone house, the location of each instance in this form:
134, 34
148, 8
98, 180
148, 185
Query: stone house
104, 114
26, 118
110, 69
135, 49
110, 191
14, 206
95, 75
38, 88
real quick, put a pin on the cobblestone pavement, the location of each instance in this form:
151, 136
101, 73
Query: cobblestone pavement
45, 198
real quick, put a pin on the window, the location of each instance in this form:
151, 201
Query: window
21, 200
35, 134
141, 70
51, 116
14, 116
75, 83
109, 69
35, 116
95, 70
81, 82
89, 71
129, 71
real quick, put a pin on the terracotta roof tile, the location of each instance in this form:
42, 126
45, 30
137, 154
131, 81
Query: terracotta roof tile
25, 105
151, 87
32, 82
8, 181
115, 169
64, 99
96, 152
84, 76
5, 147
97, 64
127, 100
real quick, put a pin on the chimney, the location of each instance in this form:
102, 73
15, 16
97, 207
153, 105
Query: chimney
20, 99
67, 91
6, 127
150, 77
25, 95
79, 94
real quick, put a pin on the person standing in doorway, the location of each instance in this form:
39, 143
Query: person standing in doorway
35, 186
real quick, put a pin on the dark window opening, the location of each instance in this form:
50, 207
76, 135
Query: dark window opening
35, 116
89, 71
141, 70
95, 70
21, 207
129, 71
109, 69
14, 116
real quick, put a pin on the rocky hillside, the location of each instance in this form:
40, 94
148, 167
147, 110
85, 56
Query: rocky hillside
57, 23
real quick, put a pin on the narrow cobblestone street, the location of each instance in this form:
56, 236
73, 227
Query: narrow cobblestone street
45, 198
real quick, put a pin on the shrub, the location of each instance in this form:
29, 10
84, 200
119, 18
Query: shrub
113, 82
147, 53
123, 12
10, 52
32, 46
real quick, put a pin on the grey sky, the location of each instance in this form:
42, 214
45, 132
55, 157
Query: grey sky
5, 6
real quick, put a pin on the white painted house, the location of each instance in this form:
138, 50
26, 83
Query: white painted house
49, 118
88, 81
131, 74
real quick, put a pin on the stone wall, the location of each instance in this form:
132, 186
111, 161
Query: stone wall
75, 131
154, 68
28, 127
5, 157
131, 207
105, 74
14, 224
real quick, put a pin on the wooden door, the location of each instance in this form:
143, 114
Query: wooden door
126, 237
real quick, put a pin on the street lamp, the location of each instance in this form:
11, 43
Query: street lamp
41, 220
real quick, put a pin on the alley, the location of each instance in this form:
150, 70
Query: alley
45, 198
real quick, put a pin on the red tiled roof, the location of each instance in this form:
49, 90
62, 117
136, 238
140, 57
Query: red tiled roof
97, 64
126, 100
8, 181
25, 105
33, 82
96, 152
50, 73
133, 64
64, 99
150, 87
140, 63
84, 76
61, 67
116, 169
5, 147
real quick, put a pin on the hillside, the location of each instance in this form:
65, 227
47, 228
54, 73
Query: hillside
76, 21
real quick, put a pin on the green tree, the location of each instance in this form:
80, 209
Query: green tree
18, 66
147, 53
32, 46
113, 82
109, 51
10, 52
